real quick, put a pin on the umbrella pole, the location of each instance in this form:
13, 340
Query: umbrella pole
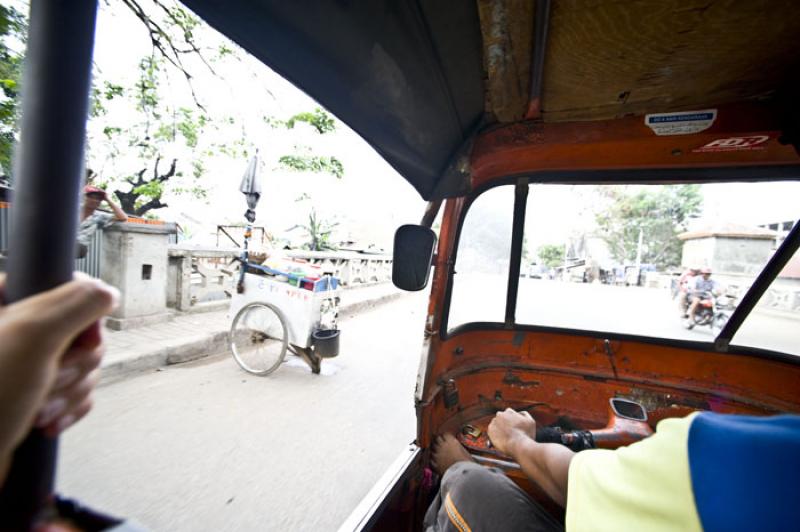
245, 257
48, 176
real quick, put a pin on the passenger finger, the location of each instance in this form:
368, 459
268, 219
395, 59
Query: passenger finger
75, 365
67, 401
66, 310
65, 422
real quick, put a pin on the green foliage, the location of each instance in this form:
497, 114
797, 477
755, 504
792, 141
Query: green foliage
151, 189
147, 87
13, 30
312, 163
321, 121
318, 232
660, 213
112, 90
273, 122
158, 131
551, 255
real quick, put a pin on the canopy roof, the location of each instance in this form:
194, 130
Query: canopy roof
418, 80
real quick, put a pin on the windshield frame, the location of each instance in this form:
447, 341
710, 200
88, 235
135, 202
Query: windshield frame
633, 177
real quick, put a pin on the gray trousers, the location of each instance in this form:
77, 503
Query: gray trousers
476, 498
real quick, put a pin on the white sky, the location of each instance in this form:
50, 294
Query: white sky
372, 199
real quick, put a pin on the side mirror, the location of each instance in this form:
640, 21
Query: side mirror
413, 254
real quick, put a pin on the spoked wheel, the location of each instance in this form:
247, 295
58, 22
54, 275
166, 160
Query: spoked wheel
259, 338
720, 320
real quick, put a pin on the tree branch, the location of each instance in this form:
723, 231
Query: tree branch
154, 203
158, 38
155, 167
170, 172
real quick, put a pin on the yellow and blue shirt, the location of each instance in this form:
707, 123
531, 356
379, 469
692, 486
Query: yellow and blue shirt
702, 472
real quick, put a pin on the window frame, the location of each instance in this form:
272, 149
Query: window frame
622, 177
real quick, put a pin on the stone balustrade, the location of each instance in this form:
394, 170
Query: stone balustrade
198, 277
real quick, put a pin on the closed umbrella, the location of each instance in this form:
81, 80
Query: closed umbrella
251, 186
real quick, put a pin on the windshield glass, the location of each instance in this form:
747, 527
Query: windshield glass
666, 261
775, 322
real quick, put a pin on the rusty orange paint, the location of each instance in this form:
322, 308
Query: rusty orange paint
627, 143
561, 375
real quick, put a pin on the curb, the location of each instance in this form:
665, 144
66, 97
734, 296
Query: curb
211, 343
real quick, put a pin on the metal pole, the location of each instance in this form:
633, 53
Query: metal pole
48, 176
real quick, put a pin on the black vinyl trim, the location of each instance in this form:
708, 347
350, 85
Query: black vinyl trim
517, 233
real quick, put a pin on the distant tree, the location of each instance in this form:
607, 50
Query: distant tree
318, 232
551, 255
13, 30
166, 148
160, 132
303, 159
660, 214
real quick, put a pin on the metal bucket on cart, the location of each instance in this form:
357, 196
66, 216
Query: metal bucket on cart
326, 342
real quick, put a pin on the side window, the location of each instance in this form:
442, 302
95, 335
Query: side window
775, 321
480, 283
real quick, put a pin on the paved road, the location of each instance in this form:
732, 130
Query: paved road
630, 310
205, 446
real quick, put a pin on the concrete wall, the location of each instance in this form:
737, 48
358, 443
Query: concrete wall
725, 255
697, 252
741, 255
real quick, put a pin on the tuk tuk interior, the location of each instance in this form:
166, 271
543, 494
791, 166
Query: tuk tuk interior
462, 97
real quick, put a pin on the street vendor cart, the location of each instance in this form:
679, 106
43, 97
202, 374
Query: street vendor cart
276, 312
289, 305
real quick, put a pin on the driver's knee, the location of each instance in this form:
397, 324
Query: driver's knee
485, 499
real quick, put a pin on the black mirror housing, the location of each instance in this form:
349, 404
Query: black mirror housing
413, 255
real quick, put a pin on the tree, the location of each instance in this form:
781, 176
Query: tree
318, 233
146, 142
659, 213
161, 131
12, 31
551, 255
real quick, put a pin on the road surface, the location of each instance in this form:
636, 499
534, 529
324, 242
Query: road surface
205, 446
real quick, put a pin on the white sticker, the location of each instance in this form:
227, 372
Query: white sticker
683, 123
755, 142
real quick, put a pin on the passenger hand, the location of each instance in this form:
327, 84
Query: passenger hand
509, 428
50, 348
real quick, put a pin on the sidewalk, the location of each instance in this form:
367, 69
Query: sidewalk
189, 336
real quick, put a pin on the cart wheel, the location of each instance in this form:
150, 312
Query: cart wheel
259, 338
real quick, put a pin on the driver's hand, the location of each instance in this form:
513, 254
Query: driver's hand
508, 428
50, 347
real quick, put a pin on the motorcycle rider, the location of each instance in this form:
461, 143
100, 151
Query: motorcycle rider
700, 286
683, 289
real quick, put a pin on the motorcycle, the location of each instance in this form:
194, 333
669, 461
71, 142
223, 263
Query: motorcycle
712, 310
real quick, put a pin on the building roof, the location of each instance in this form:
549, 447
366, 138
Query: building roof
729, 230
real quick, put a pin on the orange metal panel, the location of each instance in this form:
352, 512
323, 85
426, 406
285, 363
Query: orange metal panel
628, 143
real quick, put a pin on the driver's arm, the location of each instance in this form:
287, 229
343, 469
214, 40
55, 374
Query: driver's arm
546, 464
